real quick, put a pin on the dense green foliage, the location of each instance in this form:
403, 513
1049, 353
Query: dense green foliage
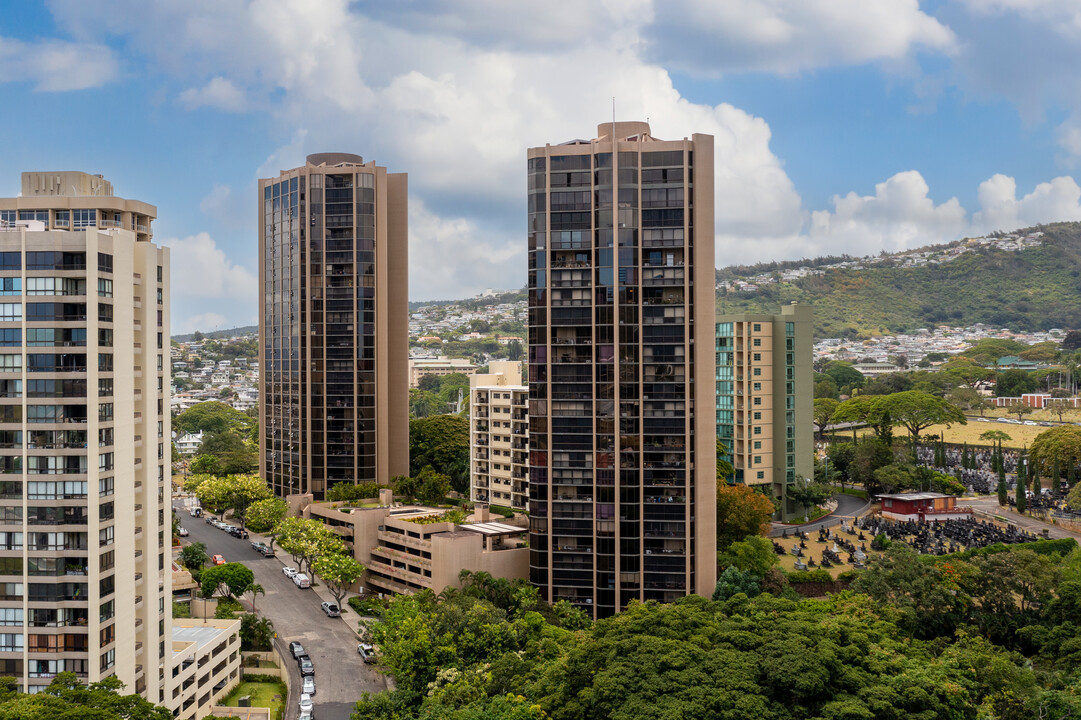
1033, 289
69, 699
993, 636
442, 442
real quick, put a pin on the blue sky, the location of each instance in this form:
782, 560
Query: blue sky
841, 125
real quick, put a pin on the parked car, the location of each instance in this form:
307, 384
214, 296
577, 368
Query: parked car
257, 544
301, 581
308, 714
238, 532
289, 571
210, 519
306, 666
306, 702
296, 649
267, 551
183, 532
366, 652
217, 559
308, 686
331, 609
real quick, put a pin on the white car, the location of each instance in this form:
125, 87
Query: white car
289, 571
308, 687
306, 702
183, 532
306, 714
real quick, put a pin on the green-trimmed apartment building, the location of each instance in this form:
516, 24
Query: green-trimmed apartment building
765, 398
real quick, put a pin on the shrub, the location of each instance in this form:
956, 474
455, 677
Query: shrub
369, 605
818, 575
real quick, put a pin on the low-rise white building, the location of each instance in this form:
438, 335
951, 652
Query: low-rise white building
205, 665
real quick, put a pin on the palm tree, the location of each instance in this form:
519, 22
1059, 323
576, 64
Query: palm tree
255, 589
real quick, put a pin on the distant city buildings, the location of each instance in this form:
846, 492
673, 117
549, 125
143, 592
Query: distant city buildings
84, 427
499, 436
765, 399
439, 366
622, 429
333, 238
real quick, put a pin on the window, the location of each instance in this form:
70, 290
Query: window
11, 642
11, 286
10, 362
758, 416
105, 536
757, 429
757, 357
10, 337
105, 262
758, 342
757, 327
758, 401
85, 217
11, 616
757, 459
108, 659
761, 475
757, 444
11, 312
107, 610
758, 386
105, 287
757, 372
105, 412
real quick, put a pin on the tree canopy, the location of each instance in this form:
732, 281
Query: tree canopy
740, 512
442, 442
1057, 448
67, 698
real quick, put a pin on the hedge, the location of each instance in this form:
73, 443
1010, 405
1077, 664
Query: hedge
1061, 546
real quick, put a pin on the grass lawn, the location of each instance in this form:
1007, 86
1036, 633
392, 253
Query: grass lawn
263, 694
1020, 435
787, 561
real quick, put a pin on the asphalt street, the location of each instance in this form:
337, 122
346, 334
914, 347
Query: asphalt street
340, 675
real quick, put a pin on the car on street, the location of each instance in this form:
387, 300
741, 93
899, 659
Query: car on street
257, 544
267, 551
366, 652
195, 512
217, 559
238, 533
209, 519
306, 666
182, 532
305, 702
308, 686
331, 609
289, 571
296, 649
308, 714
301, 581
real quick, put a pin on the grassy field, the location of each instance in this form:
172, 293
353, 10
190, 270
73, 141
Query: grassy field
787, 562
1020, 435
263, 694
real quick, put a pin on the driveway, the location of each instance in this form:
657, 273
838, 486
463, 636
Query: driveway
340, 675
848, 508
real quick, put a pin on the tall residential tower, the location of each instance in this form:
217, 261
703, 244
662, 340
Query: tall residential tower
84, 437
333, 326
765, 399
621, 368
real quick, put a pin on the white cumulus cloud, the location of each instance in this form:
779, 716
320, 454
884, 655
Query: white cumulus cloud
1001, 209
200, 269
56, 65
219, 93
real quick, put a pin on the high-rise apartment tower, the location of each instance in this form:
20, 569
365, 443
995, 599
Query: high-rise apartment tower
765, 399
333, 325
85, 530
499, 436
621, 363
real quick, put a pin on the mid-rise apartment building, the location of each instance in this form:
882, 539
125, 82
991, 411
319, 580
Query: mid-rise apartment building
406, 549
765, 398
333, 325
499, 436
84, 432
622, 486
205, 664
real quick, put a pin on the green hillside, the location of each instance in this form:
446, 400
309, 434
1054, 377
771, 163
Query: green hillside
1031, 289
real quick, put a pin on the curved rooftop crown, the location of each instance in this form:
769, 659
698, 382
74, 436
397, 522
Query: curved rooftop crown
334, 158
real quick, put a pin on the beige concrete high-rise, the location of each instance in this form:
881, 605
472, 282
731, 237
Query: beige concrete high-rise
333, 325
499, 436
621, 363
84, 437
765, 399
